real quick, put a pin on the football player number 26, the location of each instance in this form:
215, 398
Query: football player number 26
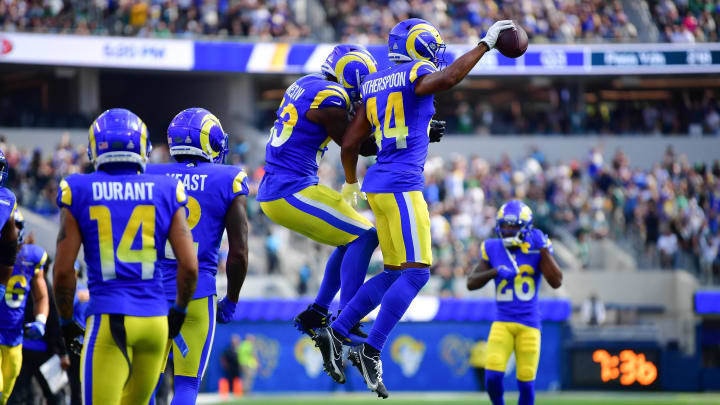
523, 286
288, 118
394, 115
143, 216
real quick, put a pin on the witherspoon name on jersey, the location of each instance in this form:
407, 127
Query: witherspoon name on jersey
396, 79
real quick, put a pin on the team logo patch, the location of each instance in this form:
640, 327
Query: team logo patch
188, 139
408, 354
131, 145
103, 145
308, 356
455, 352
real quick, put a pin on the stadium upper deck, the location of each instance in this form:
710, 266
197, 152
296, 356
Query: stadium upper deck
559, 21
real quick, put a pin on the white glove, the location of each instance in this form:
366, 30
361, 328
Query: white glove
350, 193
492, 35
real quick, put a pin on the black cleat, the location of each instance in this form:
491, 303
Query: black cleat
330, 345
357, 331
356, 336
310, 319
367, 360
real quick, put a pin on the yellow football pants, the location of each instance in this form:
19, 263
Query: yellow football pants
198, 331
10, 364
403, 227
121, 358
524, 340
320, 213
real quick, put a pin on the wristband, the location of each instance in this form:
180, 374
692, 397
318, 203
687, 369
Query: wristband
42, 318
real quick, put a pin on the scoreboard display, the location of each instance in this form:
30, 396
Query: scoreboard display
615, 368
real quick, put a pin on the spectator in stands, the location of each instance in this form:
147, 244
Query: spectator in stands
593, 311
667, 245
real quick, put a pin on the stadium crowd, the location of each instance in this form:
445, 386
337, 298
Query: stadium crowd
671, 212
561, 113
463, 21
686, 21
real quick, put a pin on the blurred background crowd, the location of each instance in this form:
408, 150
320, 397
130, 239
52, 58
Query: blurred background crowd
362, 21
665, 217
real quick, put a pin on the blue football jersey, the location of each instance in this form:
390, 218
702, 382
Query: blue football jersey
516, 299
400, 122
124, 220
296, 144
211, 189
7, 205
30, 260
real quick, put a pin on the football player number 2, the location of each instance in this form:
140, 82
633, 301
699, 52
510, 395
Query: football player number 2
523, 286
393, 126
288, 118
143, 216
193, 217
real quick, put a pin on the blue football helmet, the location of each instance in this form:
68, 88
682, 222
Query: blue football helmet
20, 225
416, 39
197, 132
349, 64
3, 169
514, 219
119, 136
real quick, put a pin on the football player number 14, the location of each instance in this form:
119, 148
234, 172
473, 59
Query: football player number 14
142, 216
394, 115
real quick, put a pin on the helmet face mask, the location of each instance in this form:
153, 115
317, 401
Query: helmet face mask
118, 136
197, 133
348, 65
514, 220
20, 225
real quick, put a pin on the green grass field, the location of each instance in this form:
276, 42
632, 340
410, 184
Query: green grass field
590, 398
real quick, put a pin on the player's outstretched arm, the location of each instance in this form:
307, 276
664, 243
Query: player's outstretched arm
69, 240
447, 78
187, 265
550, 269
236, 224
480, 276
356, 135
8, 249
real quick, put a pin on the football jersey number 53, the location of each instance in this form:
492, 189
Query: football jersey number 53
288, 118
393, 109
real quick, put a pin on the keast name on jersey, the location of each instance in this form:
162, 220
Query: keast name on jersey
122, 191
192, 182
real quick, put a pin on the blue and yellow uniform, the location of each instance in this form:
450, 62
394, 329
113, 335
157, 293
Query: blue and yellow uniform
124, 218
8, 204
211, 189
289, 192
30, 260
517, 322
400, 122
